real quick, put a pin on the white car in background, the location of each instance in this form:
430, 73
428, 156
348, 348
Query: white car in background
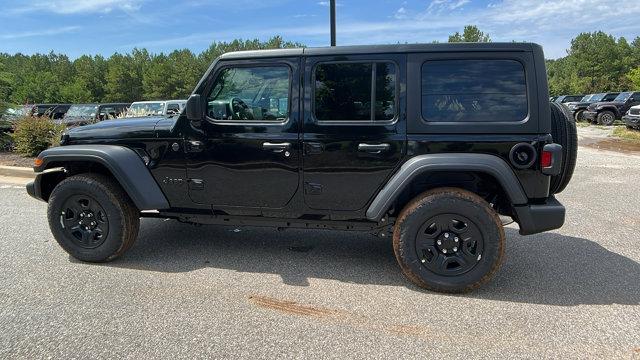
155, 108
632, 118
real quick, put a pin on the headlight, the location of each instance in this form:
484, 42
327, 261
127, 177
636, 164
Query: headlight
572, 107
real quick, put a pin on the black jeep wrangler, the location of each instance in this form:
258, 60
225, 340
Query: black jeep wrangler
427, 144
606, 112
578, 108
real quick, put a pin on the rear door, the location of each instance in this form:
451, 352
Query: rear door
354, 130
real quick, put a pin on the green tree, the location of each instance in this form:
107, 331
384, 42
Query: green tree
634, 78
470, 33
6, 83
122, 80
598, 61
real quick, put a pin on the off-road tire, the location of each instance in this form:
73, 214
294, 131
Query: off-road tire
122, 224
449, 202
606, 118
563, 131
577, 117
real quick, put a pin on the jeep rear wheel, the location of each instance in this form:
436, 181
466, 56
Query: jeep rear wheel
578, 115
449, 240
606, 118
92, 218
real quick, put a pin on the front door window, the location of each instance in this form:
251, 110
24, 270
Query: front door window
250, 94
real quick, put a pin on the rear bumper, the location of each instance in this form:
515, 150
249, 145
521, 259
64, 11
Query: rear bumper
538, 218
590, 115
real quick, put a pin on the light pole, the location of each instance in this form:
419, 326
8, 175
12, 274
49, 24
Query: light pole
332, 9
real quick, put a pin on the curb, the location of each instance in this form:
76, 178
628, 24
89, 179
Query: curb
15, 171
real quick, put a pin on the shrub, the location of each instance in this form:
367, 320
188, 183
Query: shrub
33, 135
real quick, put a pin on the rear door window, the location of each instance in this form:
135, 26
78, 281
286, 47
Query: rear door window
345, 92
473, 91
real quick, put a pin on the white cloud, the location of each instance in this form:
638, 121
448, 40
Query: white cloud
327, 3
82, 6
49, 32
401, 13
550, 23
440, 6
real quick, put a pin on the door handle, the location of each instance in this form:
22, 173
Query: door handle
276, 147
373, 148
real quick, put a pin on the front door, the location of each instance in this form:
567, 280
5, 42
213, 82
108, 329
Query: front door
354, 130
246, 152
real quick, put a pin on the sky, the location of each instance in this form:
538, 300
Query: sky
76, 27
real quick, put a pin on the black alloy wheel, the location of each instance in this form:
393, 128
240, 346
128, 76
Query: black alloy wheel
449, 244
84, 221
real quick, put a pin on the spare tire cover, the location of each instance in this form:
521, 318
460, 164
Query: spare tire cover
563, 131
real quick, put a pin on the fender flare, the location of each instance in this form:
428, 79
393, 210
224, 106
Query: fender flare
484, 163
611, 108
125, 164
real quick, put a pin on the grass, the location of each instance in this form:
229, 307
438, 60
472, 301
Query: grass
582, 124
630, 135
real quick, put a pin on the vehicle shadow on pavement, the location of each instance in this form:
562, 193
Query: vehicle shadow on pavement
547, 268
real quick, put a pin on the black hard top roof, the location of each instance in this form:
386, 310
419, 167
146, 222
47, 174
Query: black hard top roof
382, 49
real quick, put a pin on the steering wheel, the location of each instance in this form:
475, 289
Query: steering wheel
241, 109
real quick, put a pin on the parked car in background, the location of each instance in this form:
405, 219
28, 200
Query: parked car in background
552, 98
83, 114
568, 98
632, 118
155, 108
9, 117
606, 112
578, 108
52, 111
13, 113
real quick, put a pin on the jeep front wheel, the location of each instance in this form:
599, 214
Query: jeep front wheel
606, 118
92, 218
449, 240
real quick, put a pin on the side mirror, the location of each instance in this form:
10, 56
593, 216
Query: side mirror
194, 108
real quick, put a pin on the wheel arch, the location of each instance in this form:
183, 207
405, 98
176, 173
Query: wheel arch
119, 162
482, 166
610, 108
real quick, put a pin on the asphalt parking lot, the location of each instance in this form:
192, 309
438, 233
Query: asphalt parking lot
211, 291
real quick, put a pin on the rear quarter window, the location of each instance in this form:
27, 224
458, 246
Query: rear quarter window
473, 91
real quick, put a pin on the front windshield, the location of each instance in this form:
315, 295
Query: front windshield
82, 111
597, 97
623, 97
586, 98
145, 109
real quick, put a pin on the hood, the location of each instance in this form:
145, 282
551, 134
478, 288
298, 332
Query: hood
578, 103
596, 105
131, 128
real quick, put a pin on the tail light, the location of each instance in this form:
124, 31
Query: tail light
551, 159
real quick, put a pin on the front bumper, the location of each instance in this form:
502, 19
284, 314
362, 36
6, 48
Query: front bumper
590, 115
632, 121
33, 188
537, 218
